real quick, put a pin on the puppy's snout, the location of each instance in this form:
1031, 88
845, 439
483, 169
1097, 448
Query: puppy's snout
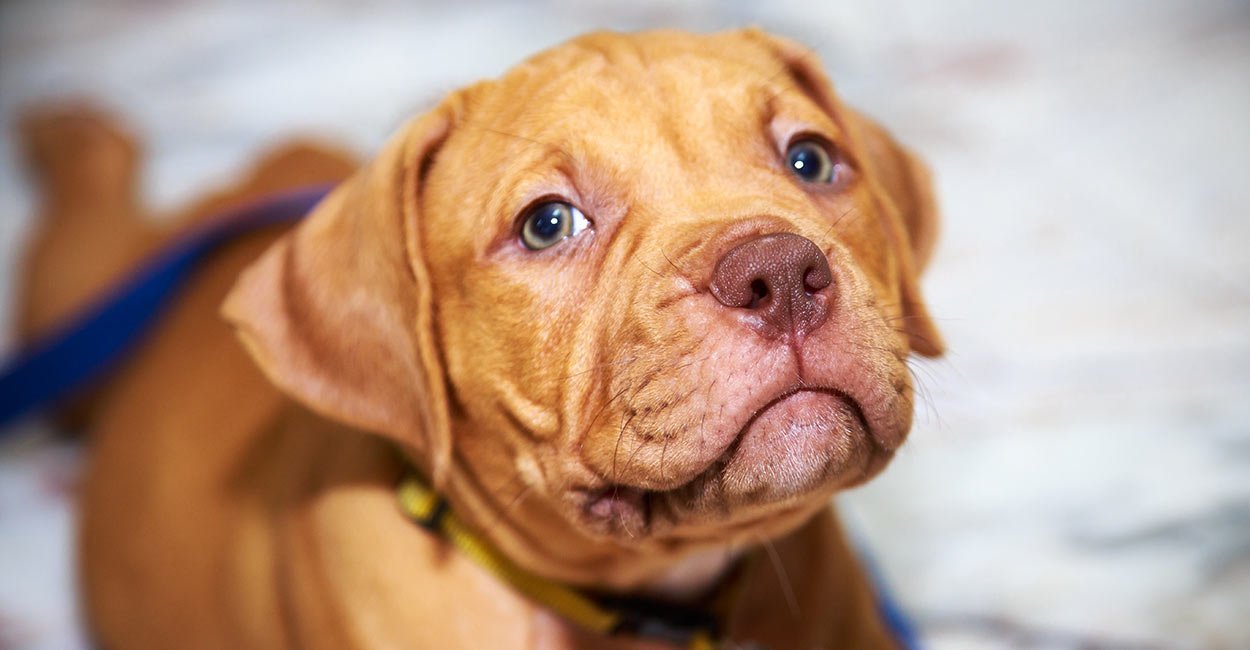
778, 277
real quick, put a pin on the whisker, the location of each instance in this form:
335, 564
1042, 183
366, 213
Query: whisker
546, 145
787, 588
629, 462
680, 273
849, 212
920, 317
503, 514
837, 221
620, 436
606, 404
647, 267
663, 453
703, 417
909, 333
902, 317
920, 386
597, 366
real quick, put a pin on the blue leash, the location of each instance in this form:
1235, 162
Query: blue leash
70, 358
904, 631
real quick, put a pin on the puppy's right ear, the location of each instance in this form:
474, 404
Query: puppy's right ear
337, 313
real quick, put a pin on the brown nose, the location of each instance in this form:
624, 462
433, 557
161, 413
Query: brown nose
776, 277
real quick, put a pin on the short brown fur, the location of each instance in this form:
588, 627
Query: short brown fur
243, 495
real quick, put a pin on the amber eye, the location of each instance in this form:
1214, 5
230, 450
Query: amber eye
811, 161
550, 223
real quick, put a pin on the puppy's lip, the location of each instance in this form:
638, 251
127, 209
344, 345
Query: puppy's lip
630, 510
840, 395
782, 431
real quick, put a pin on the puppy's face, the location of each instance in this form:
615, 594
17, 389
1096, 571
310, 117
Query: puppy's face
658, 289
669, 299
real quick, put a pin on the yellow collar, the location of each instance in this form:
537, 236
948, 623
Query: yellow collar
689, 628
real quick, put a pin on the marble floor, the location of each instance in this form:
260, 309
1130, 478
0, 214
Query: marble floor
1079, 475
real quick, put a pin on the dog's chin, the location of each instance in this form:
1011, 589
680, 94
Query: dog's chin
791, 456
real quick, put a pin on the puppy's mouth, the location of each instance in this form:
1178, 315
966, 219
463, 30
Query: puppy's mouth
798, 447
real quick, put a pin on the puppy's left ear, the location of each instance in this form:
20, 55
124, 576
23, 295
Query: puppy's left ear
899, 180
338, 314
903, 183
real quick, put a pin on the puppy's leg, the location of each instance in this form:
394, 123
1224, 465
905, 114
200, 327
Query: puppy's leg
90, 227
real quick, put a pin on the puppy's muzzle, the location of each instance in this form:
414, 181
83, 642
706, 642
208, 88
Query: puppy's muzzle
780, 280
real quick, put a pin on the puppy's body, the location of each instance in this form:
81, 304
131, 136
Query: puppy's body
245, 497
262, 525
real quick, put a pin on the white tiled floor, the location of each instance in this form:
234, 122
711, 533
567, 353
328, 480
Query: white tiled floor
1080, 476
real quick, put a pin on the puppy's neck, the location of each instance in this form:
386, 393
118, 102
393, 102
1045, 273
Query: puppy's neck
541, 541
693, 577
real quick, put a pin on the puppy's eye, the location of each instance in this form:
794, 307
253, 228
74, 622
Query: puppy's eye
547, 224
811, 161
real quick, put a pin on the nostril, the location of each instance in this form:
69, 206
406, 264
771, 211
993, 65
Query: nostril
816, 277
759, 291
811, 280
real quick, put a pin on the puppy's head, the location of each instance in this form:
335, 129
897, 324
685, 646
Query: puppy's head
659, 287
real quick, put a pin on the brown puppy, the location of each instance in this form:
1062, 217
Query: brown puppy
636, 308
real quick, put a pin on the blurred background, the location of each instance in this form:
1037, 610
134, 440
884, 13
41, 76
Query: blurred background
1079, 474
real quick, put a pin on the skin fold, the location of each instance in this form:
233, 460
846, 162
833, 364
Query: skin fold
631, 410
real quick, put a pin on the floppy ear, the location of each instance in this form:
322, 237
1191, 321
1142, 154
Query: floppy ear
898, 179
907, 189
337, 313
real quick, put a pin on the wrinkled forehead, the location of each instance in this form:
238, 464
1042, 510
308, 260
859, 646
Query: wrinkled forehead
638, 82
626, 117
612, 94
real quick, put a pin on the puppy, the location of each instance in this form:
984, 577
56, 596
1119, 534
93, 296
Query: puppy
636, 310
